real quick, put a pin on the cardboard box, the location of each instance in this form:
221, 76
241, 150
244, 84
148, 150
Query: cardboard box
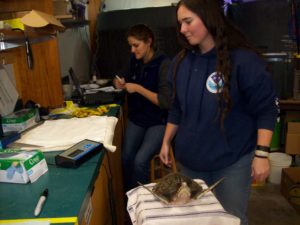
292, 143
290, 186
43, 21
20, 166
20, 120
62, 9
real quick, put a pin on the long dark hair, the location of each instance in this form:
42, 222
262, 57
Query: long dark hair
226, 37
141, 32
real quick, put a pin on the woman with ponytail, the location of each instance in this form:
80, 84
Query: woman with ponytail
224, 107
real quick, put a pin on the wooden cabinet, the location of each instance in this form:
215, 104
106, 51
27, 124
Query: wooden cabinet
107, 198
99, 211
42, 84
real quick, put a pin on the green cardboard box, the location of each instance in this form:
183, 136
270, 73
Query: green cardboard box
20, 120
20, 166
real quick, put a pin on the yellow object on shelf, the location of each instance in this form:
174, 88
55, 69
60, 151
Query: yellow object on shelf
14, 23
85, 112
81, 112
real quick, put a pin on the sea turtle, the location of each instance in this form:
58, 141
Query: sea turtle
175, 188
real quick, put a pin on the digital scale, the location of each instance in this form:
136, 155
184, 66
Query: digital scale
78, 153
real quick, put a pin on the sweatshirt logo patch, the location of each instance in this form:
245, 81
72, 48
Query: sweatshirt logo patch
212, 83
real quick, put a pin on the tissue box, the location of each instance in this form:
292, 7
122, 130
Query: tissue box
20, 120
20, 166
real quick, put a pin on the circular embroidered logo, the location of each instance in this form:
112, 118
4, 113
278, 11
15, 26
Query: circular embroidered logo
212, 81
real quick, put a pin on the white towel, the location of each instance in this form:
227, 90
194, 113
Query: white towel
63, 133
145, 209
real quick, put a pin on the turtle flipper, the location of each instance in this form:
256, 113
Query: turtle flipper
202, 193
164, 200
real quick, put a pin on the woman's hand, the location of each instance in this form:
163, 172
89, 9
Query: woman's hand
132, 87
165, 156
260, 169
119, 83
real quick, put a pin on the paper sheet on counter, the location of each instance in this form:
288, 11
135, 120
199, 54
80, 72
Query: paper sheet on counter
61, 134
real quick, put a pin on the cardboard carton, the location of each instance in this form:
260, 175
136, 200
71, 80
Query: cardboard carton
292, 143
292, 132
18, 166
290, 186
41, 20
62, 9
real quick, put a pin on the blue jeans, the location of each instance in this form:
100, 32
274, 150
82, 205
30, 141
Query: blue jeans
139, 147
234, 191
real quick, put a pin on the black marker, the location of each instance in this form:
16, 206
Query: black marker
41, 202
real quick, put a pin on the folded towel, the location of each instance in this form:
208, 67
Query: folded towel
145, 209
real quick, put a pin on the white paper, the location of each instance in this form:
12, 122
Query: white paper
8, 93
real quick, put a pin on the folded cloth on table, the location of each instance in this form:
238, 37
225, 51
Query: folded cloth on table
145, 209
63, 133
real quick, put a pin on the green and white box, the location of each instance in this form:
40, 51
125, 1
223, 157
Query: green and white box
20, 166
20, 120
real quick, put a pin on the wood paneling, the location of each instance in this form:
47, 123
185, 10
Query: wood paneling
26, 5
42, 84
93, 11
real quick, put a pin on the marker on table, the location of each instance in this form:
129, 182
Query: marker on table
41, 202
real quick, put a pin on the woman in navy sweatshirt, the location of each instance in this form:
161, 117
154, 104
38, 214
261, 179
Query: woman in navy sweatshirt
148, 101
224, 108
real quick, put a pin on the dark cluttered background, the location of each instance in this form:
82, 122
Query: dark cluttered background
267, 23
113, 52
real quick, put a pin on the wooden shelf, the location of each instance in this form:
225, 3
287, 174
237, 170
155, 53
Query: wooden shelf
15, 38
289, 104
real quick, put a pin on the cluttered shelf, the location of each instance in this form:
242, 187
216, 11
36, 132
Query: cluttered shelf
289, 104
15, 38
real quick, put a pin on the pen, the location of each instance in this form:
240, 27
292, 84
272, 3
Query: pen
119, 79
41, 202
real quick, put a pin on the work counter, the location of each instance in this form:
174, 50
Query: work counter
84, 195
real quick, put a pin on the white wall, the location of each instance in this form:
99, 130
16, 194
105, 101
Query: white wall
110, 5
74, 52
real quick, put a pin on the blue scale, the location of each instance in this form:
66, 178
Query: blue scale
78, 153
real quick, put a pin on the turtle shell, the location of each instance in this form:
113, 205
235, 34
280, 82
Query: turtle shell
169, 185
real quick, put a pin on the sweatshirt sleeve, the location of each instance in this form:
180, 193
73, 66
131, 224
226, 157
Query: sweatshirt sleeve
259, 95
174, 113
164, 92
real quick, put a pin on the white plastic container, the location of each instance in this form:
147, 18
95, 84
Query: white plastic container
278, 161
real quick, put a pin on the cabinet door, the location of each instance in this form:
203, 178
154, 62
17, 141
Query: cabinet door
116, 170
100, 199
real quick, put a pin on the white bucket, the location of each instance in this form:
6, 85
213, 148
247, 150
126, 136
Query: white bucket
278, 161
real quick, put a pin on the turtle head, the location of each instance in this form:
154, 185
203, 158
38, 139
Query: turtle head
183, 194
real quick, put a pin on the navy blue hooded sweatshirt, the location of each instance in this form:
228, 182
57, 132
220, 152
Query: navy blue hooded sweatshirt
200, 143
152, 76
